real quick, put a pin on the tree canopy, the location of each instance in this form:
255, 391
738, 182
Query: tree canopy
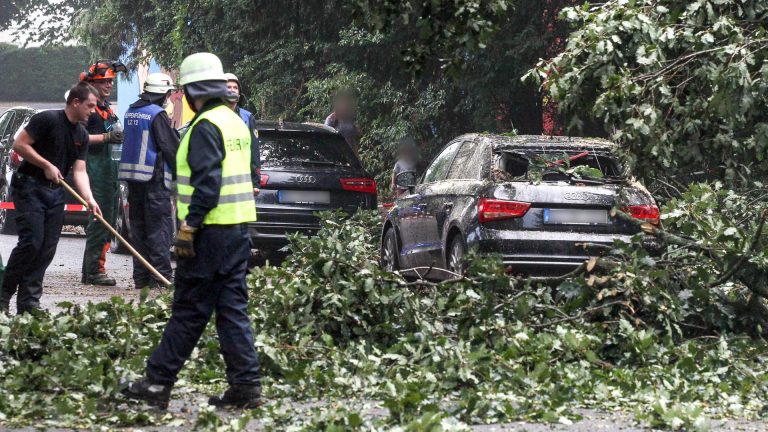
427, 69
683, 84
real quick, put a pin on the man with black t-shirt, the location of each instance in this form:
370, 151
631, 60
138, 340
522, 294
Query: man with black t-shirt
52, 143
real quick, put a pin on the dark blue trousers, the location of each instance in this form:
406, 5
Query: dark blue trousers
214, 280
151, 227
39, 216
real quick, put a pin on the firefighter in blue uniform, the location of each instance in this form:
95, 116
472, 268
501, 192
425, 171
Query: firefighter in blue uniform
216, 183
147, 165
233, 87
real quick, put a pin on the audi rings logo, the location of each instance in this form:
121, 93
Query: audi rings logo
304, 179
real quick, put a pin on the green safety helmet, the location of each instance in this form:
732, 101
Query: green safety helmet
201, 67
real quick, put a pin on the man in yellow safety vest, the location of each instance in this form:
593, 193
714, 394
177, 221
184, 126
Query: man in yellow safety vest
215, 175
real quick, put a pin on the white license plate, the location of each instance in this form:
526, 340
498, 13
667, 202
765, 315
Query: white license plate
575, 217
304, 197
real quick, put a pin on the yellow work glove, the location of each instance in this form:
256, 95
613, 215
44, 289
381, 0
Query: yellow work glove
185, 240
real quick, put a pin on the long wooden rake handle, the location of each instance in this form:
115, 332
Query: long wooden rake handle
133, 251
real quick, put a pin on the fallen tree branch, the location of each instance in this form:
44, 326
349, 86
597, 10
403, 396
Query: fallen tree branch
745, 256
661, 234
552, 280
582, 314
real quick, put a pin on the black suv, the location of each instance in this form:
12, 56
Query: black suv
305, 168
534, 200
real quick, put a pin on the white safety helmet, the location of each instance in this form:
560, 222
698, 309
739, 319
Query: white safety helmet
158, 83
232, 77
201, 66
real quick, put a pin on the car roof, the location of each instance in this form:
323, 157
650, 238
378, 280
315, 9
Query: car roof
546, 142
21, 108
267, 125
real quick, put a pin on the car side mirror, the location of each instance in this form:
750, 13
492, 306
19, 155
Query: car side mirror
406, 180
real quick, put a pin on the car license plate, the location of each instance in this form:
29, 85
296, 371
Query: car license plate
303, 197
575, 217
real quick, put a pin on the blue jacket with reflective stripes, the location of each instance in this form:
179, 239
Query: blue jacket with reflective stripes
137, 161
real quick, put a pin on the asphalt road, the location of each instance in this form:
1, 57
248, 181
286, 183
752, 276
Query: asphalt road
62, 283
62, 280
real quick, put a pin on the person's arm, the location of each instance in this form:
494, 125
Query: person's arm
23, 146
94, 123
331, 120
167, 139
80, 176
205, 157
96, 139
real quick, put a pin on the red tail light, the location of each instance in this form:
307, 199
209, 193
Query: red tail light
645, 212
263, 178
492, 209
16, 159
363, 185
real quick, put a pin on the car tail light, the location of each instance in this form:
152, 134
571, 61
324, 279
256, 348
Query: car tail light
16, 159
645, 212
263, 178
363, 185
492, 209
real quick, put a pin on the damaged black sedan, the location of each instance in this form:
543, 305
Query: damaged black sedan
534, 200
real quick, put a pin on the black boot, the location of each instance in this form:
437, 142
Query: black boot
239, 396
158, 395
99, 279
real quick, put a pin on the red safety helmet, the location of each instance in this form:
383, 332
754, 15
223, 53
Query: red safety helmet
102, 70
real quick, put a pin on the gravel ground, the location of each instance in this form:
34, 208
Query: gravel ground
62, 283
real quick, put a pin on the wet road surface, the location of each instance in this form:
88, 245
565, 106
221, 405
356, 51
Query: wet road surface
62, 279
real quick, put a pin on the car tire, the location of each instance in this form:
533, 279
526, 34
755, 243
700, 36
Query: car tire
389, 252
7, 216
121, 226
456, 256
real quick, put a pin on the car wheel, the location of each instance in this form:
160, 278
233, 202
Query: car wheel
121, 226
390, 252
456, 256
7, 222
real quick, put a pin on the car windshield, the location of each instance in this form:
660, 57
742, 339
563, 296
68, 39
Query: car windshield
301, 148
556, 165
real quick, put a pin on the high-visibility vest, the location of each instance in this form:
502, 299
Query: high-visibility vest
236, 202
139, 155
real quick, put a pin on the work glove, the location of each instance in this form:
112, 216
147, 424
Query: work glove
114, 137
185, 239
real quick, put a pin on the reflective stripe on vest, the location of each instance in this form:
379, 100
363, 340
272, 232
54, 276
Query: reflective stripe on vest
139, 155
236, 202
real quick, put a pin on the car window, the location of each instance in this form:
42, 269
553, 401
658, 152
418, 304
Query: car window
439, 166
5, 126
302, 148
469, 162
516, 165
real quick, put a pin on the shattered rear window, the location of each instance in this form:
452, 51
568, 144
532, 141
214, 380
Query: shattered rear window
543, 166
